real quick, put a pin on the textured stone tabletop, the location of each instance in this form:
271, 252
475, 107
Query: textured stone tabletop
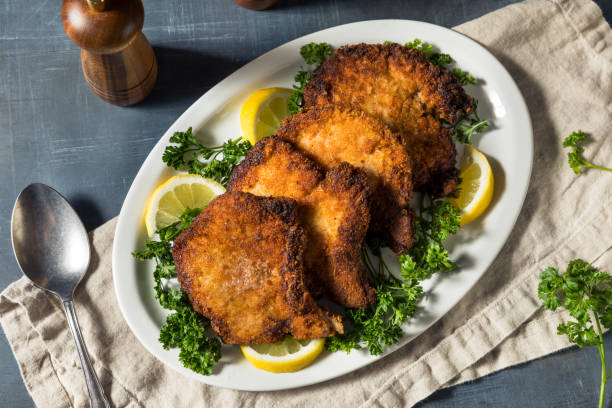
54, 130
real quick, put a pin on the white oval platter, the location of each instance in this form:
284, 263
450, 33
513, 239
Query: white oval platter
215, 118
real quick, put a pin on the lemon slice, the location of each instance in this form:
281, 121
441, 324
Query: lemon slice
262, 113
172, 198
286, 356
476, 188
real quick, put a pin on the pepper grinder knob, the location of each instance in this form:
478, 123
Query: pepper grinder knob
118, 62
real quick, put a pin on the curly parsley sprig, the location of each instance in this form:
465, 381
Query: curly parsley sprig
586, 293
464, 77
219, 163
316, 53
433, 226
380, 324
575, 159
397, 299
184, 328
313, 54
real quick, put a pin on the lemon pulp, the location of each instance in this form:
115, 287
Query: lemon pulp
263, 112
476, 188
170, 200
286, 356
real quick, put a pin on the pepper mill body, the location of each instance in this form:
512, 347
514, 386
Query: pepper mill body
118, 62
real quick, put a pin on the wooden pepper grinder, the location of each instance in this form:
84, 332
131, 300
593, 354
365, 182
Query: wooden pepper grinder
118, 62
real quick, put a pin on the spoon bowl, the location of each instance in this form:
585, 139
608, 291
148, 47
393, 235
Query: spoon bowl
49, 240
53, 251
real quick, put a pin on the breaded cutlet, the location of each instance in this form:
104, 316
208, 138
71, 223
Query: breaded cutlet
241, 265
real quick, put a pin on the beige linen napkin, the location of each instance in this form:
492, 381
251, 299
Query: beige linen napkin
560, 54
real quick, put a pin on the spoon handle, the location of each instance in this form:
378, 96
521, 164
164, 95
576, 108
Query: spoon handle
96, 394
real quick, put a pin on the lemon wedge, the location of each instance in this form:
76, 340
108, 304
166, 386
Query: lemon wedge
262, 113
286, 356
476, 188
172, 198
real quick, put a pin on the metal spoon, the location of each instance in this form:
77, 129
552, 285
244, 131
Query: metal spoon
52, 250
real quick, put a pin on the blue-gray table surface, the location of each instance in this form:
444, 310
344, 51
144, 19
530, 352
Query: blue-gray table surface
54, 130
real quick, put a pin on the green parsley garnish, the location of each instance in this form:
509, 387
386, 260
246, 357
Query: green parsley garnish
296, 98
468, 125
464, 77
314, 54
586, 293
184, 328
433, 226
575, 159
397, 299
220, 160
465, 128
379, 324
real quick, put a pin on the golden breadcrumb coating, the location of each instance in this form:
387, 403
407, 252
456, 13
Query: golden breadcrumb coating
241, 265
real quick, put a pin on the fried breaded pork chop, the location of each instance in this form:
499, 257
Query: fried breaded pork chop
410, 94
241, 265
333, 134
333, 210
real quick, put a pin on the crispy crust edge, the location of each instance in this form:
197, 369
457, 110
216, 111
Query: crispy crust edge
353, 180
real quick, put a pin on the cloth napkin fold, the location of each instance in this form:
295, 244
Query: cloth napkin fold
560, 54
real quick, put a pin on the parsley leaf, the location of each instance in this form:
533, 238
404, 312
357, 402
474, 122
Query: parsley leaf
184, 328
465, 129
220, 160
296, 98
424, 47
586, 293
315, 55
469, 124
441, 59
575, 159
396, 298
433, 226
464, 77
